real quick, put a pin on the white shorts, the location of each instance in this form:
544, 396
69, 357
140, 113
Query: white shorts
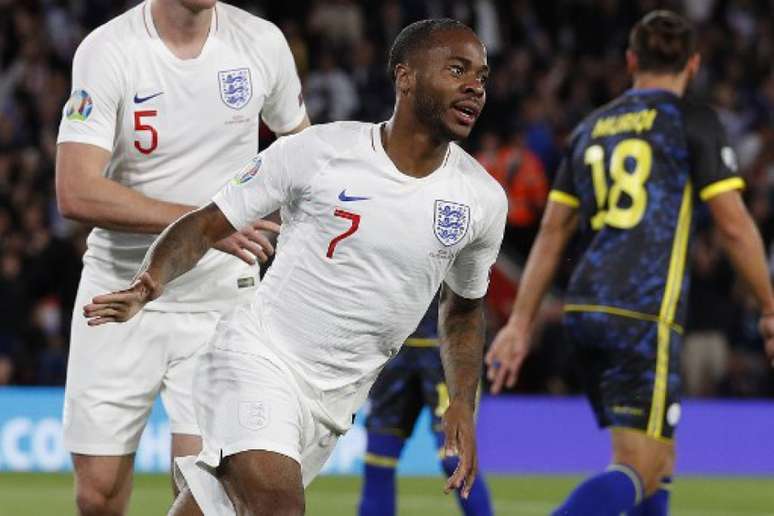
115, 372
247, 399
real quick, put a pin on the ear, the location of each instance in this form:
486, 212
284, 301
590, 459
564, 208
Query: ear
693, 64
404, 79
632, 62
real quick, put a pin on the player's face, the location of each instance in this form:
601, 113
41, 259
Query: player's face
449, 92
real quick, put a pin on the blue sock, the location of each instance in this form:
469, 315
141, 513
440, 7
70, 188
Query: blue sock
611, 493
478, 502
378, 496
656, 504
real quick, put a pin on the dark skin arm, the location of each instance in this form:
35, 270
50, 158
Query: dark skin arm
461, 326
174, 252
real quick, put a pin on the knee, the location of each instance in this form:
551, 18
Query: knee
93, 502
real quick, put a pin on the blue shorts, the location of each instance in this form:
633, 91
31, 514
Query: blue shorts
410, 381
631, 370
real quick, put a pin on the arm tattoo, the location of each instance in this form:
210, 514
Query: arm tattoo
179, 247
461, 326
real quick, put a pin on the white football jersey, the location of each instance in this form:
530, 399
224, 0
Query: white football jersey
177, 129
363, 250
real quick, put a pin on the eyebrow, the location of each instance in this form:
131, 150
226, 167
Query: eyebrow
467, 62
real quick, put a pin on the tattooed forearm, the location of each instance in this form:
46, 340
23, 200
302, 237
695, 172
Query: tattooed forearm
461, 325
180, 246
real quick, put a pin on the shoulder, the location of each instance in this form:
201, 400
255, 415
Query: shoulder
341, 135
698, 116
111, 39
328, 140
248, 26
487, 188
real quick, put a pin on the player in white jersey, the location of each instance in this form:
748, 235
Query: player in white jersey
375, 219
166, 102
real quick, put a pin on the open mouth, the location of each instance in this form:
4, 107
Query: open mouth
466, 112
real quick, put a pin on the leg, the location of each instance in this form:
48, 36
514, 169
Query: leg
379, 492
113, 375
657, 504
187, 341
652, 459
185, 505
396, 401
102, 484
263, 483
184, 445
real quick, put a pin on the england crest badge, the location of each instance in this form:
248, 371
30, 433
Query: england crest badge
451, 222
235, 87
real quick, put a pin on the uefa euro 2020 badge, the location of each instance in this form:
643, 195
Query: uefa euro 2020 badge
79, 106
451, 221
235, 87
248, 171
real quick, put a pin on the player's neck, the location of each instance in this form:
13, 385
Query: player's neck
182, 30
674, 83
414, 152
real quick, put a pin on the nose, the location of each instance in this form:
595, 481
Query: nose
474, 87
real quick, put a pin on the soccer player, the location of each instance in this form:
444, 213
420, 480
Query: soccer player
166, 101
410, 381
631, 176
376, 217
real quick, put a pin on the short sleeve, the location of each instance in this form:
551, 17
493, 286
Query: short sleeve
284, 107
274, 178
469, 274
713, 161
91, 112
563, 189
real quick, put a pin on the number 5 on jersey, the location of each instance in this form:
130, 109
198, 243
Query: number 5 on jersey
354, 218
139, 125
630, 166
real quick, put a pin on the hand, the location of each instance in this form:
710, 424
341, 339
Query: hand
122, 305
460, 439
505, 356
251, 242
766, 327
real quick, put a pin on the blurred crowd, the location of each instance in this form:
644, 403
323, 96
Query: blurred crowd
552, 63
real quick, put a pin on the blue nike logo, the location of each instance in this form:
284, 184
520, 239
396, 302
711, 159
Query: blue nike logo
140, 100
343, 197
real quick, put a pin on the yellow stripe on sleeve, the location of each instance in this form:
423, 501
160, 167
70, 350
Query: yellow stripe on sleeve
564, 198
719, 187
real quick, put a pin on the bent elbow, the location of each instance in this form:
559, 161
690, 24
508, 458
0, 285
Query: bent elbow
69, 207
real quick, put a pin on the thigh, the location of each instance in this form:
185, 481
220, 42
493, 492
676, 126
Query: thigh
632, 370
187, 335
396, 397
114, 373
260, 482
246, 401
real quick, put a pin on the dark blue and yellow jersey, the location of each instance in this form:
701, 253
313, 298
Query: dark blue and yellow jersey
426, 334
635, 168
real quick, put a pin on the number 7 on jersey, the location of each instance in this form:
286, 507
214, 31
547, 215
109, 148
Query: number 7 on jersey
354, 218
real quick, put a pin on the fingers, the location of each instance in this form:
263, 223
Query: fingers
465, 473
266, 225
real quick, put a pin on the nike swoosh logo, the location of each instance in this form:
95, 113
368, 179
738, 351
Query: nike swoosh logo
343, 197
140, 100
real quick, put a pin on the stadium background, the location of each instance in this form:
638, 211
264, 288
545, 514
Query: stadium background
552, 62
